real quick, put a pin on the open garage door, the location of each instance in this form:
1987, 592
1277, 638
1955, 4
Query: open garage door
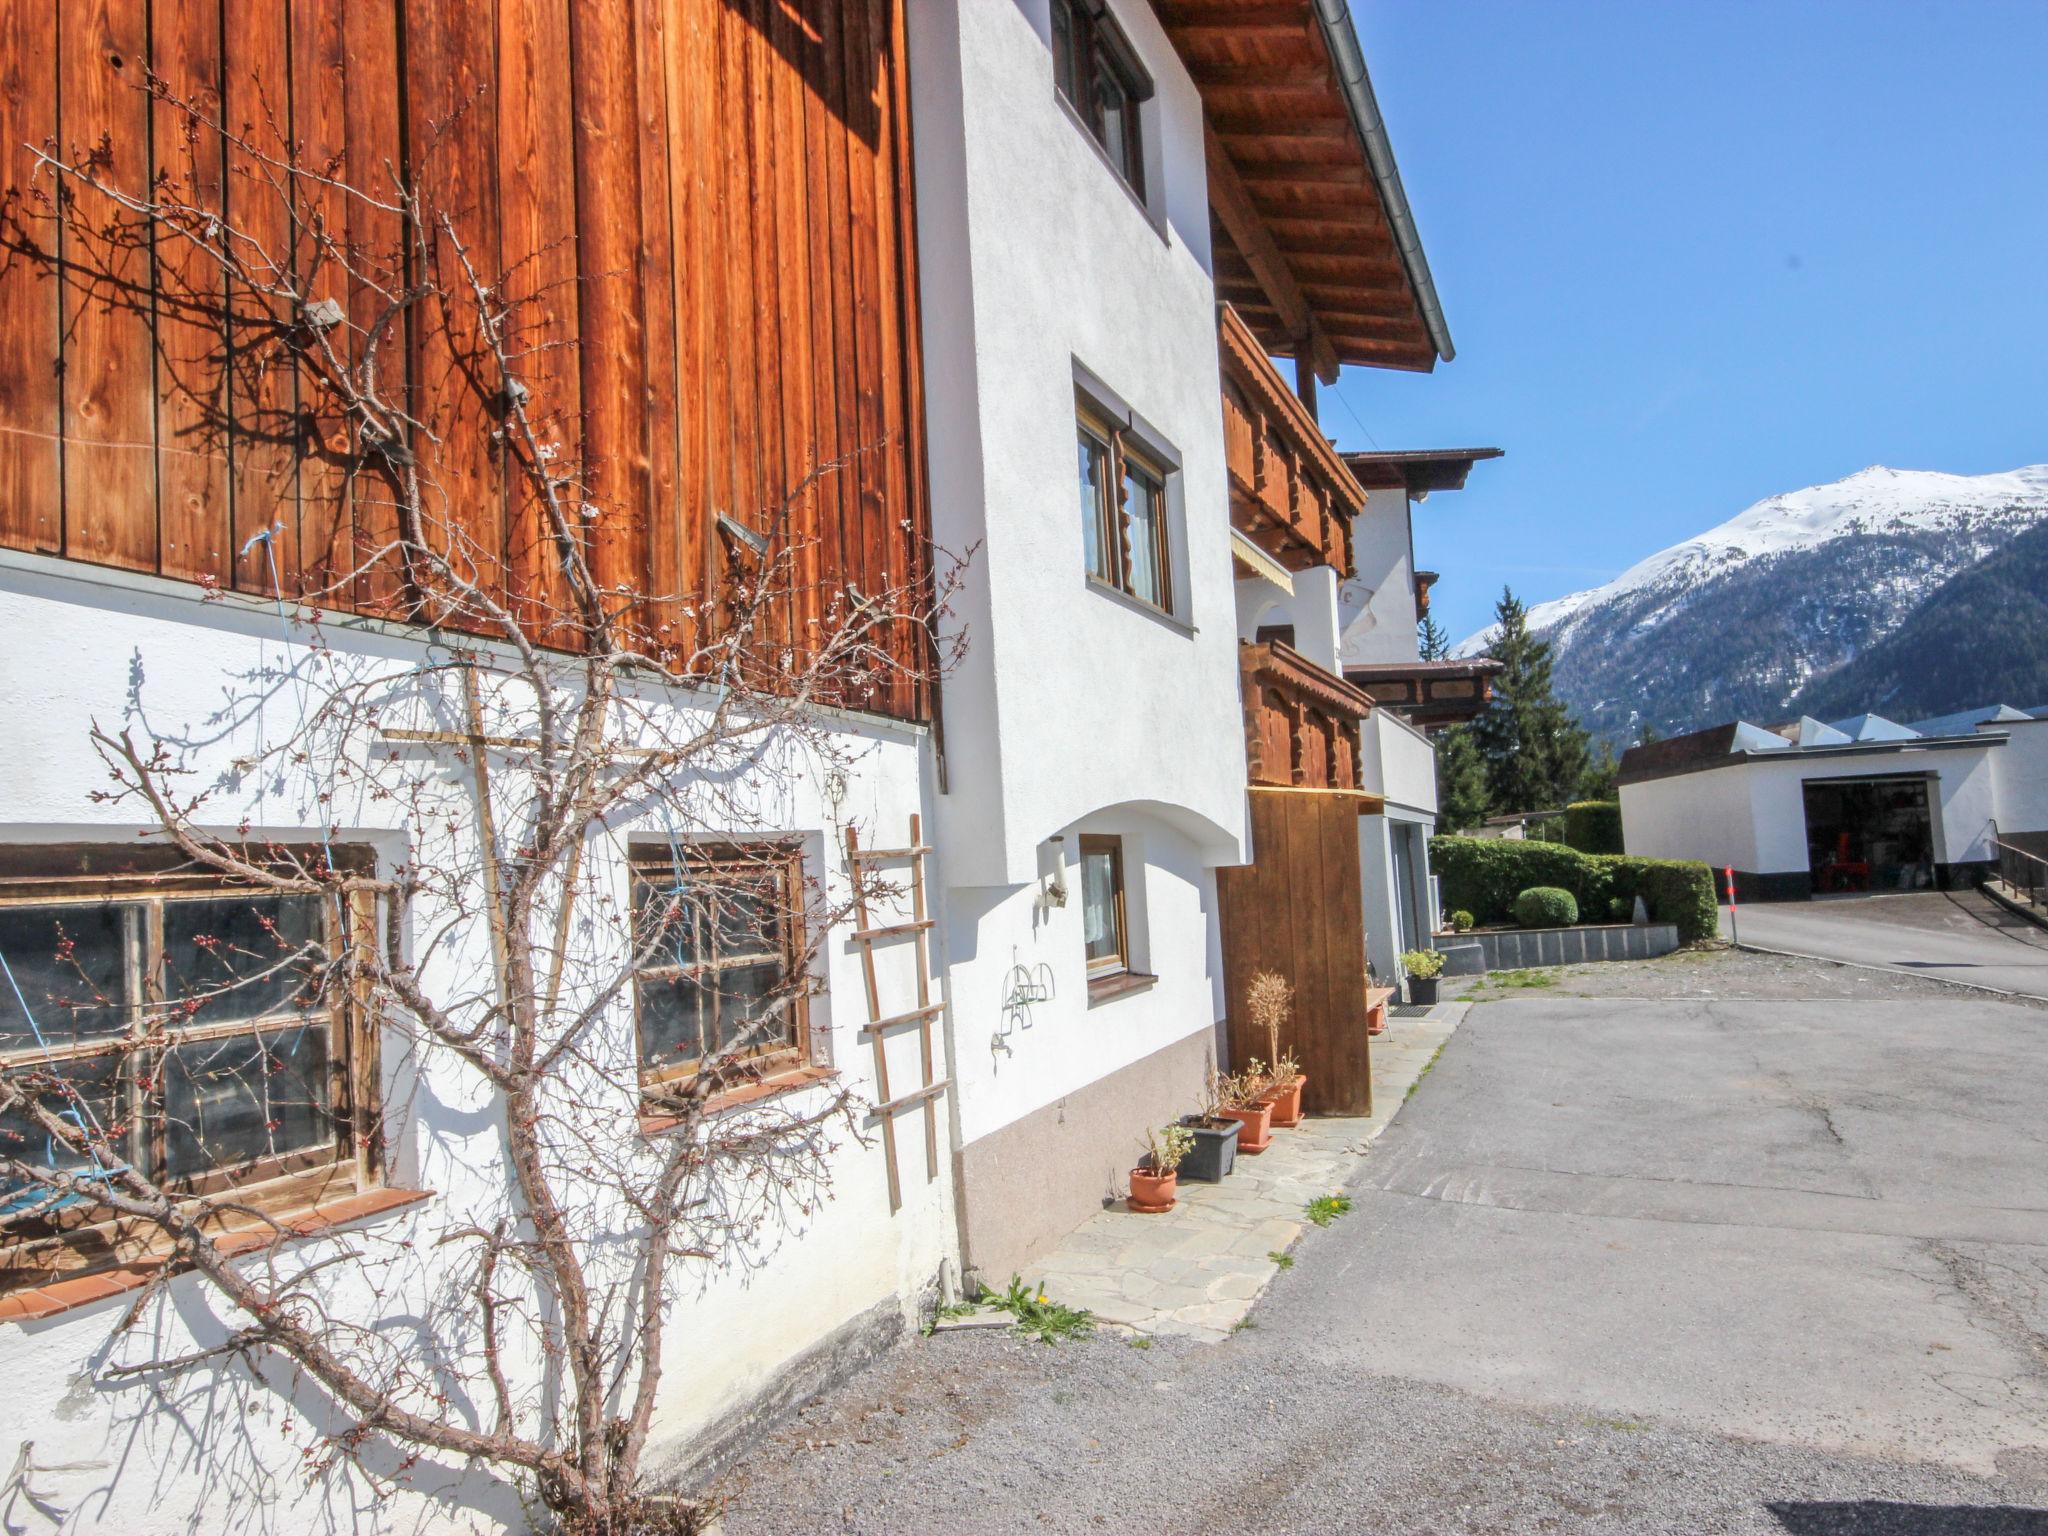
1869, 834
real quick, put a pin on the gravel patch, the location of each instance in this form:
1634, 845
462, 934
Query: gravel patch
986, 1434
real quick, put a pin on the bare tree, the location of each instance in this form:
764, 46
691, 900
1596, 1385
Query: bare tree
495, 959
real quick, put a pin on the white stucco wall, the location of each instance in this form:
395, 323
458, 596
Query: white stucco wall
88, 646
1036, 260
1311, 609
1015, 1052
2019, 774
1397, 760
1755, 810
1377, 606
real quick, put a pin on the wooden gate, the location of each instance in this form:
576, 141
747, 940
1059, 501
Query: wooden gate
1299, 910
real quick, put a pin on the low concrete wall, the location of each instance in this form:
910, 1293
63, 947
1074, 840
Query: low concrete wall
1569, 946
1463, 955
1028, 1185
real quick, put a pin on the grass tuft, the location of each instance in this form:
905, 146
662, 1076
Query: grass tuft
1325, 1209
1281, 1260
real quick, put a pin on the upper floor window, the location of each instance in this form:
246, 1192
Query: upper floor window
1097, 71
1124, 525
720, 978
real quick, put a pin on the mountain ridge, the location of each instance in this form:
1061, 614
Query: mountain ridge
1767, 606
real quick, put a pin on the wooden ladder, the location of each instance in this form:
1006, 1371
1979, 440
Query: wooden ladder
879, 1026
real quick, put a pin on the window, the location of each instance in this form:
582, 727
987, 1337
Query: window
720, 977
1123, 512
1096, 70
1102, 907
189, 1029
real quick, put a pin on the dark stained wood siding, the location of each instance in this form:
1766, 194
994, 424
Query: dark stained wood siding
706, 204
1298, 910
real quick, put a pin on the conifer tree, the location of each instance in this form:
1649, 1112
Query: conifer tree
1463, 797
1431, 640
1534, 751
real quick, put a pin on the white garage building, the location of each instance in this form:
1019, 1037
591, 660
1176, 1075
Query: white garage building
1860, 804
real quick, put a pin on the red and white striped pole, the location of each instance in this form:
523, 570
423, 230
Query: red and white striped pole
1734, 932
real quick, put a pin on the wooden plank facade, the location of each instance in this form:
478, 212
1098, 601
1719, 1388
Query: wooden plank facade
1299, 911
703, 206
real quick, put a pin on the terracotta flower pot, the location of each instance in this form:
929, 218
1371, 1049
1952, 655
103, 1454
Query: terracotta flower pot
1152, 1192
1286, 1103
1257, 1128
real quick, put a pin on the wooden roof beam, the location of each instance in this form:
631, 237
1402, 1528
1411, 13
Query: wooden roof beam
1247, 230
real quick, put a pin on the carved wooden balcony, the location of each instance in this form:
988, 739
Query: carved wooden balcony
1289, 491
1300, 722
1429, 692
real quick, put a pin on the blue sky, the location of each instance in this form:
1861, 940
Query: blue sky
1695, 254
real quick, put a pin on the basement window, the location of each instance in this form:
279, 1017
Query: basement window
192, 1030
720, 981
1097, 71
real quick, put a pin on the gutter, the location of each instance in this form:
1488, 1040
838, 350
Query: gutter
1341, 37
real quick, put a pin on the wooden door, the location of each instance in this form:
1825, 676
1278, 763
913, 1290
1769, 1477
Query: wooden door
1298, 910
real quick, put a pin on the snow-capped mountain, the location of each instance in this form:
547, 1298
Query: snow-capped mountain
1742, 618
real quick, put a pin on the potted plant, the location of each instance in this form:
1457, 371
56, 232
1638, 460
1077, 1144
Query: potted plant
1153, 1182
1244, 1100
1215, 1133
1423, 966
1285, 1094
1269, 999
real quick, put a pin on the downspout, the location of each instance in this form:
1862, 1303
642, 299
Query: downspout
1341, 37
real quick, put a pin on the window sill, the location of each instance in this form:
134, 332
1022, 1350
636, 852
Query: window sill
57, 1296
745, 1093
1138, 605
1102, 989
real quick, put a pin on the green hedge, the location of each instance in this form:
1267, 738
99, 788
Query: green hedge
1546, 906
1484, 875
1593, 826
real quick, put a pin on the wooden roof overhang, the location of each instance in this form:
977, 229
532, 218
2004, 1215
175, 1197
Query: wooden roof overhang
1300, 722
1417, 471
1313, 237
1290, 493
1429, 692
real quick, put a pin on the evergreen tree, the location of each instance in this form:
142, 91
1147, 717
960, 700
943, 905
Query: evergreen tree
1602, 766
1463, 799
1535, 754
1430, 639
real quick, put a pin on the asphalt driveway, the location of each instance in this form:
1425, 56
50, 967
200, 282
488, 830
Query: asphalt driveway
1685, 1260
1954, 935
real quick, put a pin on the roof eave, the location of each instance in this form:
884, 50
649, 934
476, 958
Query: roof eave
1340, 36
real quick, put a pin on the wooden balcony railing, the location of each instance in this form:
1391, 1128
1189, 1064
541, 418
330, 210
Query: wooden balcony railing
1300, 722
1429, 692
1289, 491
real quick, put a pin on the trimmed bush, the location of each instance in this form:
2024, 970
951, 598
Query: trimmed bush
1484, 875
1463, 921
1593, 826
1546, 906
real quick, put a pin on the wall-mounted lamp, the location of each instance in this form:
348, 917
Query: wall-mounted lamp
1052, 872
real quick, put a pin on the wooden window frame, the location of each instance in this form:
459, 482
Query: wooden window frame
765, 1060
1119, 964
1089, 49
1113, 523
283, 1188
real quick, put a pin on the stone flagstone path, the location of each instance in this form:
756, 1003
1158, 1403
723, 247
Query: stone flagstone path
1197, 1269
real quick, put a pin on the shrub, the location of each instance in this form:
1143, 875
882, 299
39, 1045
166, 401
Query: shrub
1546, 906
1484, 875
1463, 921
1593, 826
1621, 909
